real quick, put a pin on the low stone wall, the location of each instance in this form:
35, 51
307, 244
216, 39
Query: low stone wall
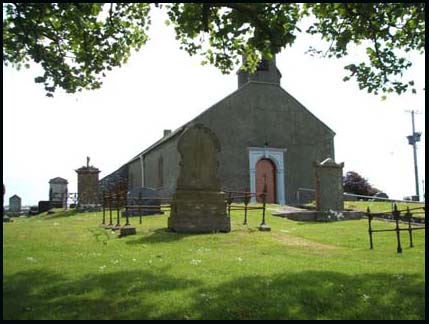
317, 216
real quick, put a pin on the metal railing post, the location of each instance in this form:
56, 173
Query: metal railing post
396, 214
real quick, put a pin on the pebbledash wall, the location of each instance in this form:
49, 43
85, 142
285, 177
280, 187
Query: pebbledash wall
259, 119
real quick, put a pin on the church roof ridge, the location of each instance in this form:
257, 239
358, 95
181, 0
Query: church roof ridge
181, 128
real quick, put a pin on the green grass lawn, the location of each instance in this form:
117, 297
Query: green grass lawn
63, 266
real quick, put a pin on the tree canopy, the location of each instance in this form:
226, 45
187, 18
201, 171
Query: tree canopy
354, 183
76, 43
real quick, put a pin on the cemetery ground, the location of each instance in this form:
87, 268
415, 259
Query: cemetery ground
63, 266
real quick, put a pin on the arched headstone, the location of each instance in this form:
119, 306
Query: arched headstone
199, 205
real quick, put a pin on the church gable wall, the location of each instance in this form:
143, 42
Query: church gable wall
260, 113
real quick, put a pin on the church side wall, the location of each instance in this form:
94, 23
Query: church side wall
134, 175
170, 167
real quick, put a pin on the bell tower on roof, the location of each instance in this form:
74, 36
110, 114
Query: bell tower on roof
266, 71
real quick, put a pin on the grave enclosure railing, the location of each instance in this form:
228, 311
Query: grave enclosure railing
115, 202
245, 197
118, 202
396, 214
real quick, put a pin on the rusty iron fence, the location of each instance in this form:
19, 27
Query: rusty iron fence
396, 215
63, 200
245, 197
116, 202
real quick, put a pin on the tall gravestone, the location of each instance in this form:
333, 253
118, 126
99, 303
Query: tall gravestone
329, 185
87, 186
198, 204
58, 192
15, 204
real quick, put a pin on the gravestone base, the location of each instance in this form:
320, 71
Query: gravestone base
115, 227
127, 230
142, 212
195, 211
264, 228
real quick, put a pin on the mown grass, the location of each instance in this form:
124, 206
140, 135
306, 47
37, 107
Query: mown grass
63, 266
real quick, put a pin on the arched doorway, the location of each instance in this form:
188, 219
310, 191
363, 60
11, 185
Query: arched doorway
266, 174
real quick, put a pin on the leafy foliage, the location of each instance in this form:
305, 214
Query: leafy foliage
354, 183
76, 43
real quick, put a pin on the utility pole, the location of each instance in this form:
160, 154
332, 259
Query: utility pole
412, 140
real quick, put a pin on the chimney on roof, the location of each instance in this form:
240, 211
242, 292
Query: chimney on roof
167, 132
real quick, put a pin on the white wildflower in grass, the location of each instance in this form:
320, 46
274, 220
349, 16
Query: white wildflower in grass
102, 268
115, 261
267, 282
134, 259
195, 262
240, 259
365, 297
398, 276
203, 249
31, 259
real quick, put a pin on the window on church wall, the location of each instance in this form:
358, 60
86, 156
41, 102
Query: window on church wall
160, 172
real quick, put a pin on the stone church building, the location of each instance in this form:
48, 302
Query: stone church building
266, 136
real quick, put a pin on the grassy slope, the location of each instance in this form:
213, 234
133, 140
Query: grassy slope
65, 267
382, 206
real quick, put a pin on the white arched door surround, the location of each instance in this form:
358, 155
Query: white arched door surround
275, 155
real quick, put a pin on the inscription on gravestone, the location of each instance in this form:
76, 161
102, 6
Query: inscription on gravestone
199, 205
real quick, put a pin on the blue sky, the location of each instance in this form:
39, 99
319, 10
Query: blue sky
162, 87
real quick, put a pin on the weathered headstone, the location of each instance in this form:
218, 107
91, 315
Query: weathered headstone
198, 204
58, 192
329, 185
15, 204
143, 197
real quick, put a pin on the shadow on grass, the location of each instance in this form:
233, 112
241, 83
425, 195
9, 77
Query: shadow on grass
314, 295
162, 235
119, 295
59, 214
154, 295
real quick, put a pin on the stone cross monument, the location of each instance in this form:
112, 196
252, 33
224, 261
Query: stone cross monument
87, 186
198, 204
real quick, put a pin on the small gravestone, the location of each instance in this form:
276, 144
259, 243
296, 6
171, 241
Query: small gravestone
44, 206
198, 204
127, 230
143, 197
6, 219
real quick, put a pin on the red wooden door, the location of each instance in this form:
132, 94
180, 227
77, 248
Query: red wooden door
266, 173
